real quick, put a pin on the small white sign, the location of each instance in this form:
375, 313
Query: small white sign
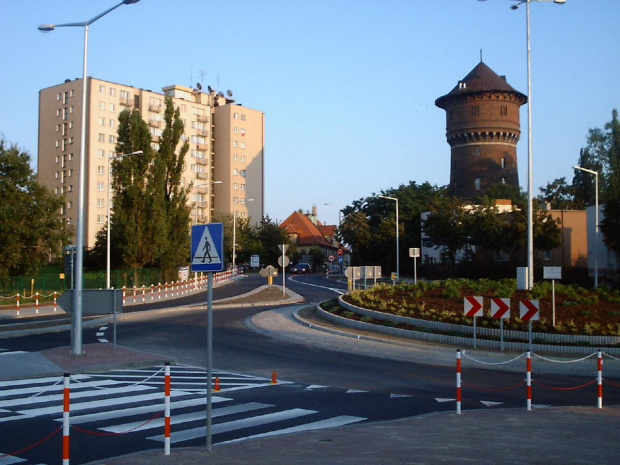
552, 272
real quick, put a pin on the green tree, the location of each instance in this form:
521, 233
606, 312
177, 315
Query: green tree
168, 170
31, 228
270, 235
138, 228
559, 194
610, 224
447, 227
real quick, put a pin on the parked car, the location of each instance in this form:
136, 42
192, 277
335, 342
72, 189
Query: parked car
301, 268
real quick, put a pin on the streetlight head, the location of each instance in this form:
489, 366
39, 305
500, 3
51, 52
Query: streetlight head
561, 2
129, 2
46, 27
515, 6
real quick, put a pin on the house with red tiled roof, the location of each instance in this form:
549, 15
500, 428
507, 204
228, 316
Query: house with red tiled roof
306, 232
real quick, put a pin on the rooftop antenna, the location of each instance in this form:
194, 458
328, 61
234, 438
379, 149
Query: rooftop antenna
202, 73
480, 55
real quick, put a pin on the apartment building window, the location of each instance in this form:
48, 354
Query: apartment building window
112, 139
101, 153
100, 169
57, 175
197, 168
243, 173
199, 154
235, 143
101, 105
69, 204
70, 188
477, 184
100, 219
236, 115
112, 91
100, 186
62, 209
235, 157
101, 137
101, 121
236, 200
57, 158
235, 171
56, 190
58, 96
235, 186
242, 187
154, 146
198, 140
112, 107
71, 109
242, 145
112, 123
69, 173
102, 89
242, 158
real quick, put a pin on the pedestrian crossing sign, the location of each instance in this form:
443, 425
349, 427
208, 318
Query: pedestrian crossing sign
207, 247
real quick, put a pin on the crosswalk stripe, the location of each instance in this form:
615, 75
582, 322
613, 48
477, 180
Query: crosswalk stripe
334, 422
186, 418
49, 389
194, 433
106, 401
120, 413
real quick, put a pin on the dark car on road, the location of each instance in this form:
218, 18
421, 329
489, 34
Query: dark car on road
301, 268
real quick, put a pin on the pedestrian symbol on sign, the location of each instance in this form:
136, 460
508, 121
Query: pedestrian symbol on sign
207, 245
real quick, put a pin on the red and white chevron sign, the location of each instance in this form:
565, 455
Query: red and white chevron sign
473, 306
529, 310
500, 308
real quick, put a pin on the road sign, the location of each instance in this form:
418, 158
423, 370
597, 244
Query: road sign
283, 247
414, 252
255, 261
331, 258
207, 247
529, 310
94, 301
353, 272
500, 308
340, 252
552, 272
473, 306
286, 260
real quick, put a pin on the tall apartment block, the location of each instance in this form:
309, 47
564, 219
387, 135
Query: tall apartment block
482, 128
226, 147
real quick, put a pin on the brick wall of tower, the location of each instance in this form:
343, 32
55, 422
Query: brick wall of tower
483, 129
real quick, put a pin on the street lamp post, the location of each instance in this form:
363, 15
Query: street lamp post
530, 157
397, 245
76, 334
596, 227
111, 158
196, 197
234, 245
530, 168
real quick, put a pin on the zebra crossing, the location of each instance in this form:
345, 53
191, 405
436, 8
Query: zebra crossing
123, 404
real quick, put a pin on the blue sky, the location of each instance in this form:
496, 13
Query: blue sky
347, 87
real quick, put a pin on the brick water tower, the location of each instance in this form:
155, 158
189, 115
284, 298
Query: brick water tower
482, 128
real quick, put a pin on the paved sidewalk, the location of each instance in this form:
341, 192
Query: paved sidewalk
572, 435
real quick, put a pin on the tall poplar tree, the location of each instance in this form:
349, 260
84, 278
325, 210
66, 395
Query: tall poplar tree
138, 230
167, 185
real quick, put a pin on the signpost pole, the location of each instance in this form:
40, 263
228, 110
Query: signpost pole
209, 357
283, 269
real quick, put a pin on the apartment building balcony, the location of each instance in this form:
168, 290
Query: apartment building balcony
201, 132
201, 147
202, 176
202, 118
155, 123
126, 101
155, 108
201, 161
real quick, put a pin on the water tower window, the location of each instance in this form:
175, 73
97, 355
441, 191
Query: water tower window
503, 110
477, 184
475, 110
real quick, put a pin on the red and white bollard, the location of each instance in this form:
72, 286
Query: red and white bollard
55, 303
167, 424
143, 294
152, 289
528, 380
66, 426
124, 294
36, 302
17, 305
274, 377
458, 382
600, 379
